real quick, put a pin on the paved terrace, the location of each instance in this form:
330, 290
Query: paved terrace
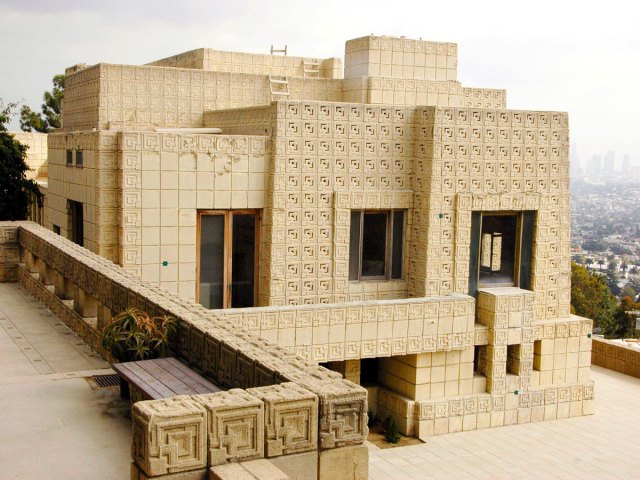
54, 425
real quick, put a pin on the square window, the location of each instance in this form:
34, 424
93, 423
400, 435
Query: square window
501, 249
376, 244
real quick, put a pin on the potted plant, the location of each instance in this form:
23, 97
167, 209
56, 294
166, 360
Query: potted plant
135, 335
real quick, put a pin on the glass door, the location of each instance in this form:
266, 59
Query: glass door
227, 258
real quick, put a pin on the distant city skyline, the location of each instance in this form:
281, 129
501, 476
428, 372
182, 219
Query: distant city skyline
548, 56
620, 162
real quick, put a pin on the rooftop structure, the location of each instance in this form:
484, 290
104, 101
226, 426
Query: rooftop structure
393, 225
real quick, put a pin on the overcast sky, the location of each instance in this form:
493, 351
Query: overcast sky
579, 57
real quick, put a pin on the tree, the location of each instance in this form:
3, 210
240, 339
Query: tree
49, 119
594, 245
16, 191
589, 262
625, 324
628, 291
591, 298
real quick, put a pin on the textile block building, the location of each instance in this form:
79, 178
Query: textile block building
400, 228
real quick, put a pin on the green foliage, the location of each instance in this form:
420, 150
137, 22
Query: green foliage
594, 245
16, 191
134, 335
625, 324
591, 298
391, 433
628, 291
49, 119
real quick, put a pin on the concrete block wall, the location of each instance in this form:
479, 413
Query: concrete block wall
164, 180
36, 153
400, 57
616, 355
129, 97
364, 329
490, 160
260, 64
94, 184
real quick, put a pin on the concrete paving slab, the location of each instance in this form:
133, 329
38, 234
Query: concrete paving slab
53, 424
600, 446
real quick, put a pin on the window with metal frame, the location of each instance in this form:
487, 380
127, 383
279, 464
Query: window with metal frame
376, 244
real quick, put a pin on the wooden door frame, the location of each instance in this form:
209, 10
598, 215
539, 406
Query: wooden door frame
227, 260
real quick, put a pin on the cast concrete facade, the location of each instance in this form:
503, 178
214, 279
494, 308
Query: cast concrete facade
318, 159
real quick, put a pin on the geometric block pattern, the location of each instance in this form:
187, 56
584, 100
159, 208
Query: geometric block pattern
235, 426
343, 414
364, 329
169, 435
479, 411
291, 418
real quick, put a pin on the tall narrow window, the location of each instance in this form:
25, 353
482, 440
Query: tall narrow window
76, 222
69, 159
79, 158
227, 258
498, 249
376, 245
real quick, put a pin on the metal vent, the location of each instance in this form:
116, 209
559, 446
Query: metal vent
106, 381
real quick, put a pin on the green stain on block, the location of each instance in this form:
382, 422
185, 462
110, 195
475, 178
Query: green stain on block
516, 392
441, 215
165, 263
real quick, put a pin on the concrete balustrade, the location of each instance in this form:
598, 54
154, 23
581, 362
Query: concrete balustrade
616, 356
313, 414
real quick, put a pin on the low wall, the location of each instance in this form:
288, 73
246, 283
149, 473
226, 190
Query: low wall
616, 356
368, 329
87, 290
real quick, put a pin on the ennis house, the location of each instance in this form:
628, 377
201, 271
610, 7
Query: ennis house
389, 223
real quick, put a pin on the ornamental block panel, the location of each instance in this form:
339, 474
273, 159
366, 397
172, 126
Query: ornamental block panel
235, 426
291, 418
169, 435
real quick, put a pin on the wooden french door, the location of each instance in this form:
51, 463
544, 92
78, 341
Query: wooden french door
228, 258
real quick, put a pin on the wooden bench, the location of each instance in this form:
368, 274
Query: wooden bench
160, 378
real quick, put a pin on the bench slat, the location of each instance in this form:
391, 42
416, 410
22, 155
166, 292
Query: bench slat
164, 377
140, 382
169, 381
188, 376
149, 381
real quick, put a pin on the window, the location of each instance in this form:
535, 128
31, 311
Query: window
69, 161
76, 222
227, 258
56, 229
376, 244
79, 158
501, 245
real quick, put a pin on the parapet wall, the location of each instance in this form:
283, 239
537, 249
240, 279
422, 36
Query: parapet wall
616, 356
254, 63
95, 289
37, 152
400, 57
